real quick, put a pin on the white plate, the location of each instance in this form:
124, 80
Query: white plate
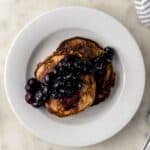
39, 38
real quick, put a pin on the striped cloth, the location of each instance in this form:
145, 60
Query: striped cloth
143, 11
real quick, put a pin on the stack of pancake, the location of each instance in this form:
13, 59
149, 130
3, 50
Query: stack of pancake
94, 91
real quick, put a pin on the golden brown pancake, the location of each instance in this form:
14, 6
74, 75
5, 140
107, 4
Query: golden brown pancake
90, 49
86, 95
92, 92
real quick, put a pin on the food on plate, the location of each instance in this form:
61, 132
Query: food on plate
90, 50
77, 75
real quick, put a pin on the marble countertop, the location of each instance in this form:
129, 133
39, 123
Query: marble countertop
14, 14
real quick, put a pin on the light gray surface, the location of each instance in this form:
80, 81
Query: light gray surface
14, 14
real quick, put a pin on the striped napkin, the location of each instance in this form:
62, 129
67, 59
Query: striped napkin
143, 11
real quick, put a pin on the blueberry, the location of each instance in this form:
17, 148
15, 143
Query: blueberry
54, 94
85, 69
45, 98
66, 72
32, 82
65, 59
38, 96
45, 90
68, 65
98, 59
76, 64
55, 72
68, 76
70, 58
64, 78
108, 54
36, 104
32, 85
48, 79
68, 84
100, 66
62, 91
59, 78
109, 50
28, 88
29, 98
60, 64
75, 77
59, 95
60, 70
108, 59
70, 69
79, 85
56, 85
78, 69
70, 93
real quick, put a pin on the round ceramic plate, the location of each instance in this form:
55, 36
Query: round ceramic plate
39, 39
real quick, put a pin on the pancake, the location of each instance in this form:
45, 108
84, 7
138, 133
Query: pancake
50, 62
89, 50
104, 84
85, 97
